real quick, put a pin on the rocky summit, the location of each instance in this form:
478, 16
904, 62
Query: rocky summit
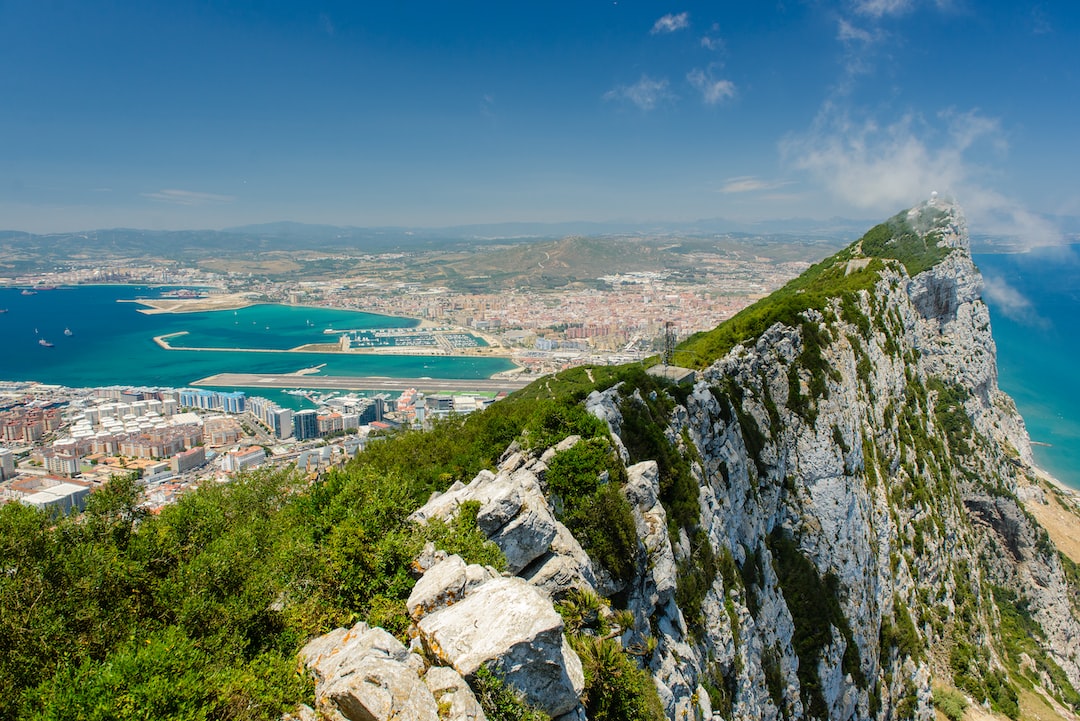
824, 525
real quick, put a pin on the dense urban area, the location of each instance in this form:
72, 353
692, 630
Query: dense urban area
58, 443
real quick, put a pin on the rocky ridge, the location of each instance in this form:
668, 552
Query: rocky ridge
854, 539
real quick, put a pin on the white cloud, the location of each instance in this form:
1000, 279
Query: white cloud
712, 91
874, 167
886, 167
670, 23
646, 93
711, 43
750, 184
848, 32
189, 197
1011, 302
880, 8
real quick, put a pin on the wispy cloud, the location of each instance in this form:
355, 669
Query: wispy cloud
881, 8
750, 184
327, 25
646, 93
670, 23
877, 167
848, 32
711, 43
1011, 302
189, 197
883, 167
712, 91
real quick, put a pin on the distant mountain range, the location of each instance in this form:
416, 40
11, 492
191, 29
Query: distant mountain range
22, 252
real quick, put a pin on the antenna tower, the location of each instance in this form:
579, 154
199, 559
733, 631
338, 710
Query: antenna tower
669, 343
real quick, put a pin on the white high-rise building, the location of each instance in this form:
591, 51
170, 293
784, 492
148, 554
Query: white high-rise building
7, 464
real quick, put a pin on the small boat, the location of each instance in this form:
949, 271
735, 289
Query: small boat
27, 291
67, 331
3, 310
44, 343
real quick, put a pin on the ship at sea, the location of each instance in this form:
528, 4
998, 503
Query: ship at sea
67, 331
44, 343
27, 291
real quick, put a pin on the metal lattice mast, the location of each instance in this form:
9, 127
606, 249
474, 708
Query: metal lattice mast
669, 342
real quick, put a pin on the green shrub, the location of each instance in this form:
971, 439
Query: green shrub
615, 688
500, 701
951, 703
815, 609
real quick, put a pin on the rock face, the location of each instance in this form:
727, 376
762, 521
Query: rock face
858, 530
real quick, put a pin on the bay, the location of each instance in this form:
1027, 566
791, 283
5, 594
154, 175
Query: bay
111, 343
1034, 301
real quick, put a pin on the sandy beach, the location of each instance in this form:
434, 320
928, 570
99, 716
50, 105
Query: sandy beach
1057, 508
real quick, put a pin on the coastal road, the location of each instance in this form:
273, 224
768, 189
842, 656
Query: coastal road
365, 383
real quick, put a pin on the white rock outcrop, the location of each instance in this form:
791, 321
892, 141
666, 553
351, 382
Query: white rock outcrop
365, 674
513, 629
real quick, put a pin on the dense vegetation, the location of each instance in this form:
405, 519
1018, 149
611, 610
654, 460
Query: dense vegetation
198, 612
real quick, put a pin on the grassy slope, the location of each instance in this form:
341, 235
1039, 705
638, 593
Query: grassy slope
855, 268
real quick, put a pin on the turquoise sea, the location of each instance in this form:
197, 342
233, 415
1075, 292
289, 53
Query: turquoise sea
111, 343
1034, 301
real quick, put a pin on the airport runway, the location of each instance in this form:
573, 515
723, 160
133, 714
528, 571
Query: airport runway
365, 383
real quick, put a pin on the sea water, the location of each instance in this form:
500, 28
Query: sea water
112, 343
1034, 301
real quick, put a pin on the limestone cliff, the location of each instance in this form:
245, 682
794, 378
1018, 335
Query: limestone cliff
855, 535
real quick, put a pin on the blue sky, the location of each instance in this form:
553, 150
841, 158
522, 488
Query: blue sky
209, 114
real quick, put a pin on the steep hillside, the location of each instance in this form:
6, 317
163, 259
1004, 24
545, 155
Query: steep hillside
824, 525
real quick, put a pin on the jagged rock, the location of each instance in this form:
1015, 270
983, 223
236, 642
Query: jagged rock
445, 583
513, 513
823, 436
642, 490
454, 697
511, 627
564, 568
365, 674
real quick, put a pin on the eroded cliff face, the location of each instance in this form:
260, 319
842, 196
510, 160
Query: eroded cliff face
895, 477
856, 533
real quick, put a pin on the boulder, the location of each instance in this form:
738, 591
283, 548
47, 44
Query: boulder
445, 583
512, 628
365, 674
454, 697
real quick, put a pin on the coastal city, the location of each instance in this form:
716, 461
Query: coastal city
58, 443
